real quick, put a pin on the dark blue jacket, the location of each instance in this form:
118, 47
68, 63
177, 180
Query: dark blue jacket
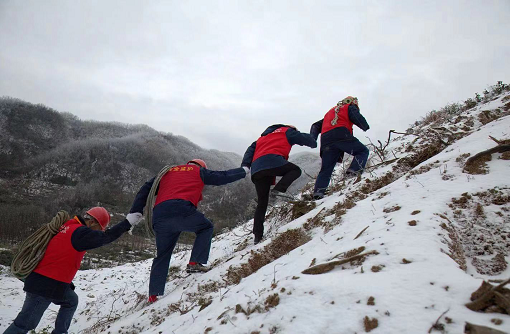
269, 161
341, 133
82, 239
210, 177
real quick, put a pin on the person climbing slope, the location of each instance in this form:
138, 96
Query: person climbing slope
267, 157
336, 129
175, 210
51, 280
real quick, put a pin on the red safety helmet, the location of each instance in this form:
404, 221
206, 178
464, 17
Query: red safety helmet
101, 215
199, 162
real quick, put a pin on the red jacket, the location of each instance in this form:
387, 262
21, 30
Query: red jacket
273, 143
61, 261
181, 182
342, 121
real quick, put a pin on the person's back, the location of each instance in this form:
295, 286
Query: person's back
181, 182
336, 130
267, 157
51, 280
179, 190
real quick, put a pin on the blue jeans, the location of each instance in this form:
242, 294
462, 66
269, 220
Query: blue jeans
167, 230
334, 153
34, 307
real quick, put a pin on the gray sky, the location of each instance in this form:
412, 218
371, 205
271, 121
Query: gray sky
220, 72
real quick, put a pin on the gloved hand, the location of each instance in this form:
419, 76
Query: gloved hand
134, 218
247, 170
72, 286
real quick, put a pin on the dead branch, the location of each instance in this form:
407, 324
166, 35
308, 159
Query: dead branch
502, 301
436, 324
496, 149
403, 133
483, 301
360, 233
476, 329
497, 141
383, 163
326, 267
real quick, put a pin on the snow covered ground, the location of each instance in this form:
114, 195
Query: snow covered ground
416, 278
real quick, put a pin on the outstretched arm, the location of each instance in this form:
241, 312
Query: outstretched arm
141, 197
298, 138
316, 129
84, 238
219, 178
248, 155
358, 119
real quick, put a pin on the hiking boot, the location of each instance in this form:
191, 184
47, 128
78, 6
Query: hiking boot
350, 174
275, 194
257, 240
196, 268
318, 196
152, 299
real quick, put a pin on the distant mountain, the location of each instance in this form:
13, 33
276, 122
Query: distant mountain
51, 160
310, 164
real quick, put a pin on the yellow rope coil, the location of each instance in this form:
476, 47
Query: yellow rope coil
151, 199
32, 249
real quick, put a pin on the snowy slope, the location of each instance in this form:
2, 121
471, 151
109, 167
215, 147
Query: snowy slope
417, 220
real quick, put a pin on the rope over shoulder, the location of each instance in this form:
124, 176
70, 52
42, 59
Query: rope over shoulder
32, 249
151, 199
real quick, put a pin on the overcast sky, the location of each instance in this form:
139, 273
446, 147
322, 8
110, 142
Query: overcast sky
220, 72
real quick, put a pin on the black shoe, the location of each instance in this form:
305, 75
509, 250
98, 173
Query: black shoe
196, 268
275, 194
351, 174
257, 240
318, 196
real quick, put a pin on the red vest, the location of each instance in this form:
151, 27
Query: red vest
181, 182
274, 143
61, 261
342, 121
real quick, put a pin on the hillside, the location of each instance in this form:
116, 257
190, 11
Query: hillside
51, 161
432, 223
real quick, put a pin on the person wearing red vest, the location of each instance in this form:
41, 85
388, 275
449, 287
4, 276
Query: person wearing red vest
336, 130
175, 211
267, 158
51, 281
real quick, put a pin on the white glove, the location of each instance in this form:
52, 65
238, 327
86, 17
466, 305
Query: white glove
247, 170
134, 218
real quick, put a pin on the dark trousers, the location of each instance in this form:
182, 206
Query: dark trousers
334, 153
33, 310
167, 230
263, 181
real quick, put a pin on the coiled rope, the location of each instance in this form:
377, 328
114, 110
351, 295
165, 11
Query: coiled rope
32, 249
151, 199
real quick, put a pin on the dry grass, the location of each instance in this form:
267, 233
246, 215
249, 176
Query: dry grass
412, 223
478, 166
422, 155
301, 208
272, 301
372, 185
392, 209
279, 246
487, 116
370, 324
377, 269
455, 245
415, 212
